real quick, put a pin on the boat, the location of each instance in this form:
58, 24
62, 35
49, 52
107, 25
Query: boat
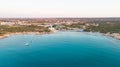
27, 44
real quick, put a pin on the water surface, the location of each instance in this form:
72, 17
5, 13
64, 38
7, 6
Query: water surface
62, 49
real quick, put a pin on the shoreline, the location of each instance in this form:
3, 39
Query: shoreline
113, 35
23, 33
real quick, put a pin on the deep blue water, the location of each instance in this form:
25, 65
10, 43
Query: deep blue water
62, 49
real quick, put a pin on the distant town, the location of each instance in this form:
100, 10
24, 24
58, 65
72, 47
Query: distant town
108, 26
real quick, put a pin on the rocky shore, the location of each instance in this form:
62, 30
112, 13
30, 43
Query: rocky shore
4, 36
114, 35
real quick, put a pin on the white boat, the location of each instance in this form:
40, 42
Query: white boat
27, 44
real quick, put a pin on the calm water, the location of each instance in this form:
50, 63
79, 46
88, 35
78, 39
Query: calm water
62, 49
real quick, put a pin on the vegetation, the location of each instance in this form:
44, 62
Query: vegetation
106, 25
102, 27
105, 28
68, 26
14, 29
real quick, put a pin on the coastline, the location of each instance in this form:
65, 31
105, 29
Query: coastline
113, 35
18, 33
4, 36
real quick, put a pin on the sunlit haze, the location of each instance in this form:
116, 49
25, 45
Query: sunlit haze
59, 8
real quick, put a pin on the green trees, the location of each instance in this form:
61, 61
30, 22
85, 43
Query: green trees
14, 29
105, 28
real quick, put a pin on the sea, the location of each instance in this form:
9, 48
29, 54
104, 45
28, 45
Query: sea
61, 49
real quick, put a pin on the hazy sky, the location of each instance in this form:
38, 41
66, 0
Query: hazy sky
59, 8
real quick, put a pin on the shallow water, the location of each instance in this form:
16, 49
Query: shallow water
62, 49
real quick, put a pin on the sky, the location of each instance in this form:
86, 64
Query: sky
59, 8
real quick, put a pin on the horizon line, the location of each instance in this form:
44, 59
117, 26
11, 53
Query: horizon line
57, 17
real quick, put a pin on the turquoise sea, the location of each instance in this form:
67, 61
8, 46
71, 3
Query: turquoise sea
61, 49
